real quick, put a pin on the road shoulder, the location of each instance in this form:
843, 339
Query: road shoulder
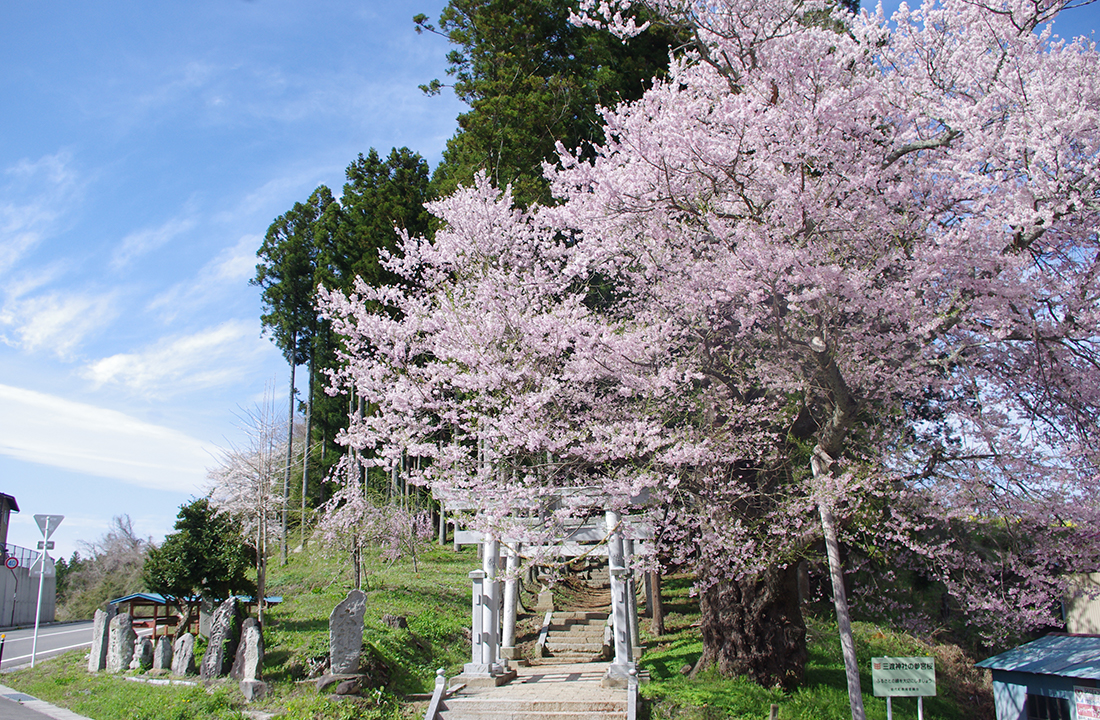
11, 699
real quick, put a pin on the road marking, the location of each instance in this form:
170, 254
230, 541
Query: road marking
42, 634
53, 650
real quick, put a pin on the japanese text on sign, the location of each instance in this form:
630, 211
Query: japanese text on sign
903, 676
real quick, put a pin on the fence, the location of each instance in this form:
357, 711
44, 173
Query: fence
19, 591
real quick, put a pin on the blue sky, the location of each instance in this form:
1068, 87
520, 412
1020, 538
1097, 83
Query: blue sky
144, 150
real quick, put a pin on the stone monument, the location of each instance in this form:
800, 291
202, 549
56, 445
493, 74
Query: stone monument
97, 658
224, 636
345, 634
162, 654
120, 643
183, 655
143, 654
250, 652
247, 666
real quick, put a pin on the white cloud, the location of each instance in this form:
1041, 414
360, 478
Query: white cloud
211, 358
148, 239
35, 194
57, 321
50, 430
231, 269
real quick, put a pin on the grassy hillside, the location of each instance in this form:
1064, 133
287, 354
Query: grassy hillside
435, 604
964, 691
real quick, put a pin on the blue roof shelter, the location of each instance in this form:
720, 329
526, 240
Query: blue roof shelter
1056, 677
140, 603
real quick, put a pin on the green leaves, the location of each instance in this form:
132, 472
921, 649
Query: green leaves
532, 79
204, 556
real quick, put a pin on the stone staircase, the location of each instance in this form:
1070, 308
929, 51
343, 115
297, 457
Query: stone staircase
558, 692
569, 637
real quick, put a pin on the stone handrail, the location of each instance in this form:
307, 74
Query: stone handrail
437, 696
540, 645
632, 696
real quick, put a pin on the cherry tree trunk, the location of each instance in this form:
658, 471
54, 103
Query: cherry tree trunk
657, 607
753, 627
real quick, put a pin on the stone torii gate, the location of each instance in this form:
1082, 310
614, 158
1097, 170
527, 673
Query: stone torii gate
493, 630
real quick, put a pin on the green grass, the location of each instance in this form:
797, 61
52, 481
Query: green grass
963, 692
65, 681
403, 661
435, 603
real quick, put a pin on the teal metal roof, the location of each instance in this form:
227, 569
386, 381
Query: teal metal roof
159, 599
1076, 656
148, 597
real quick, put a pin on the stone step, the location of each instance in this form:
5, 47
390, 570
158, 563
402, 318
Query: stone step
580, 626
569, 622
562, 615
573, 633
526, 709
569, 659
558, 640
540, 704
533, 715
590, 648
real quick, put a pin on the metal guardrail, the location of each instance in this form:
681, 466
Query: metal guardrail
25, 556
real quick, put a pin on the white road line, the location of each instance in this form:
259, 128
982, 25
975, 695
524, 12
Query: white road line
53, 650
42, 634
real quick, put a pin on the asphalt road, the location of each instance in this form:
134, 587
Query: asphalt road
52, 639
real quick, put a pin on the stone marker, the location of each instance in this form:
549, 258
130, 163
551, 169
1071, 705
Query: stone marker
206, 612
253, 689
183, 655
120, 643
97, 658
162, 653
143, 654
545, 602
324, 682
351, 686
345, 633
224, 636
250, 652
395, 621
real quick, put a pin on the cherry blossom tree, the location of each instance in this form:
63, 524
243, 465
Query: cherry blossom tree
247, 482
358, 521
835, 277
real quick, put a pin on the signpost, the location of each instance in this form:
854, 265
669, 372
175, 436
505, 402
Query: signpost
904, 677
43, 567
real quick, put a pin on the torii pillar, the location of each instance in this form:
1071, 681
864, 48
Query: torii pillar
622, 670
511, 602
485, 666
632, 600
